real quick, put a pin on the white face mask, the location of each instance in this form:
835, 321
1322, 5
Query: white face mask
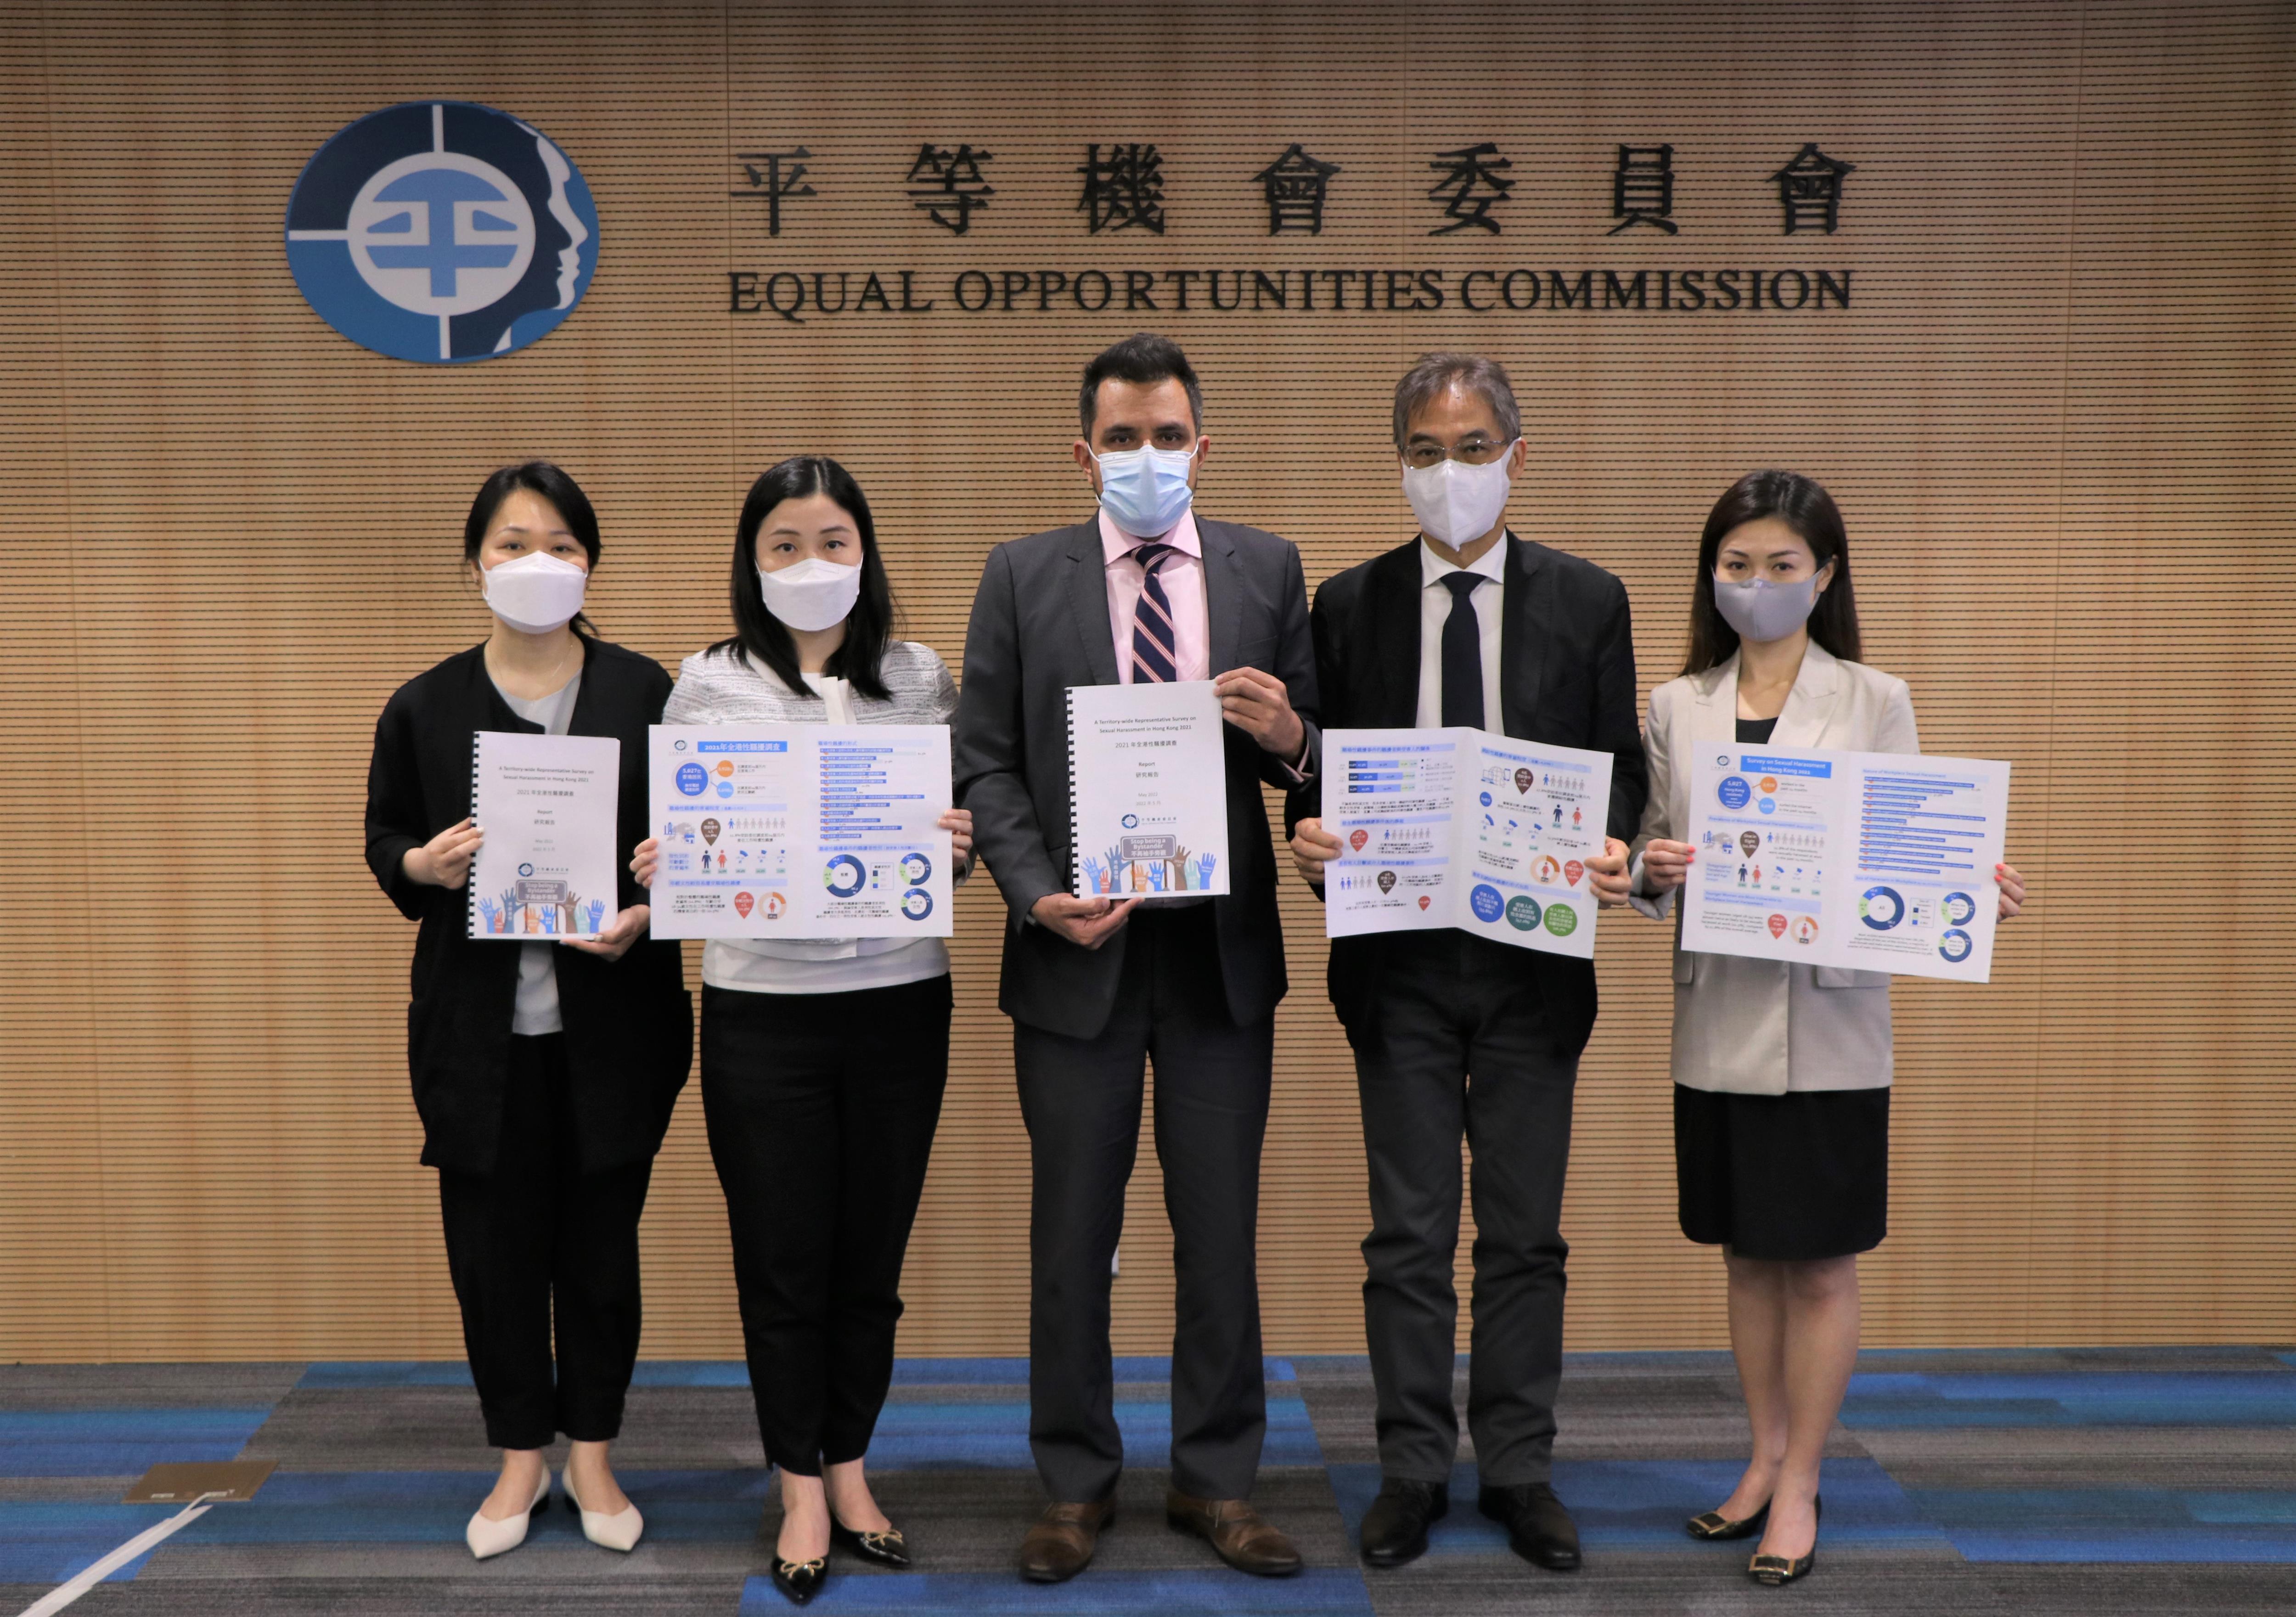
1457, 503
812, 594
536, 592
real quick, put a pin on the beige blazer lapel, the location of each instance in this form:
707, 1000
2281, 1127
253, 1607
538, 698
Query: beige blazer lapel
1808, 711
1712, 725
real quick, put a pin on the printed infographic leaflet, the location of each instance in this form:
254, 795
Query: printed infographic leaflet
1882, 861
801, 831
546, 867
1148, 789
1460, 827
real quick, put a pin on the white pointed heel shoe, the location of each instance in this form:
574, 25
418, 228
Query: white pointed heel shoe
488, 1537
618, 1532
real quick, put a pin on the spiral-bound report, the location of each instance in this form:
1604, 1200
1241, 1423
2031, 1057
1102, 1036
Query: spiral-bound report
547, 868
1147, 790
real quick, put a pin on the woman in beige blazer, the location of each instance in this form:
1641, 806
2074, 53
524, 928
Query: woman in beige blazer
1781, 1071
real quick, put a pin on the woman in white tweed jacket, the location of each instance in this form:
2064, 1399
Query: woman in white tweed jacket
823, 1061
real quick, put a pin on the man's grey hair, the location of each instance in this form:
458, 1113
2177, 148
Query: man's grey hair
1436, 374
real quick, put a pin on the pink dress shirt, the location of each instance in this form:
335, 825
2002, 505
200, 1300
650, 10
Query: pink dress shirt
1183, 589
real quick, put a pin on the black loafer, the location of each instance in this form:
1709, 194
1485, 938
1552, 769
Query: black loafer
1395, 1527
1539, 1529
886, 1549
800, 1580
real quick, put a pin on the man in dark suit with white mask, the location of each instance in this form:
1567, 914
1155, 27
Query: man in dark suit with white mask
1469, 624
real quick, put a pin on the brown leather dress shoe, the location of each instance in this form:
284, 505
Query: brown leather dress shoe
1060, 1541
1243, 1538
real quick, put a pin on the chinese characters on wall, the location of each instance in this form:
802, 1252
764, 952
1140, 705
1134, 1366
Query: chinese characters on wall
1123, 188
1122, 193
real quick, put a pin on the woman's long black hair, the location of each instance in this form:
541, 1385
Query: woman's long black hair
536, 477
1802, 506
760, 637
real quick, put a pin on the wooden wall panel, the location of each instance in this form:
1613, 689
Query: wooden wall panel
2057, 413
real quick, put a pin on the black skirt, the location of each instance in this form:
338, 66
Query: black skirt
1787, 1178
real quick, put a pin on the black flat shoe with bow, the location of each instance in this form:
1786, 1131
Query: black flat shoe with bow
886, 1549
800, 1580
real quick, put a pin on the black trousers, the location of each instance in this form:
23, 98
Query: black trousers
538, 1242
821, 1110
1081, 1100
1465, 1043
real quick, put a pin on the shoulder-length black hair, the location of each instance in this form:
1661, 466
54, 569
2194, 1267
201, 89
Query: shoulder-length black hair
1802, 506
760, 637
536, 477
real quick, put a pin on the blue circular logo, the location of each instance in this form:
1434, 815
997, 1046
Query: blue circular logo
1768, 804
1487, 799
916, 904
442, 232
692, 779
844, 876
1734, 792
1486, 903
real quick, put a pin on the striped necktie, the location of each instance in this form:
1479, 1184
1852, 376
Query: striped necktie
1155, 642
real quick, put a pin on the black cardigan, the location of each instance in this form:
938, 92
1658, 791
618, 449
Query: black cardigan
629, 1022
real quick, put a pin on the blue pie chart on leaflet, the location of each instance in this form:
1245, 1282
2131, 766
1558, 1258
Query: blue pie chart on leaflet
844, 876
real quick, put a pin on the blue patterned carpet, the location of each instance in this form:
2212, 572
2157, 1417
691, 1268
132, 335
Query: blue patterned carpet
2159, 1480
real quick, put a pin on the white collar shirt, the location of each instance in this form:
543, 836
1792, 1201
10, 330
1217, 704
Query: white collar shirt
1435, 610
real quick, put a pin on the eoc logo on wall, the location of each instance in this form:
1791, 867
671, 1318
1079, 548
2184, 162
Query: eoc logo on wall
441, 231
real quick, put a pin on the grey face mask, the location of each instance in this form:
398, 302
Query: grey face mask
1760, 609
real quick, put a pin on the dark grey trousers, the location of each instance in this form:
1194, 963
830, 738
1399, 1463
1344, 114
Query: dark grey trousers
1463, 1043
1081, 1099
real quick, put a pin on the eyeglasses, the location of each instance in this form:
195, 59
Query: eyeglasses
1473, 451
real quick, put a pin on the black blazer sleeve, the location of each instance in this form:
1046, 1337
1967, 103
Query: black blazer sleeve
989, 745
1295, 665
1325, 634
396, 821
1618, 730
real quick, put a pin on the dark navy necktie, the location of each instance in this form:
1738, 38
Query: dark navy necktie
1463, 653
1155, 642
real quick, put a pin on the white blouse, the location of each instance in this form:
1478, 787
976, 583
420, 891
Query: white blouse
717, 687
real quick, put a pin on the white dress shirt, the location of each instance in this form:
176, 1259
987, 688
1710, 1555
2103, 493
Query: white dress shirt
1435, 610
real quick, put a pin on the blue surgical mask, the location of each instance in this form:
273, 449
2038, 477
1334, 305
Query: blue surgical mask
1145, 491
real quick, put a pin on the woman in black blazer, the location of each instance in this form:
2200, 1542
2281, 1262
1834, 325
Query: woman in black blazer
545, 1072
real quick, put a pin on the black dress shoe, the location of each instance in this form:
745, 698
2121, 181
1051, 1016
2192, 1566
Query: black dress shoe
800, 1580
886, 1549
1395, 1527
1539, 1529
